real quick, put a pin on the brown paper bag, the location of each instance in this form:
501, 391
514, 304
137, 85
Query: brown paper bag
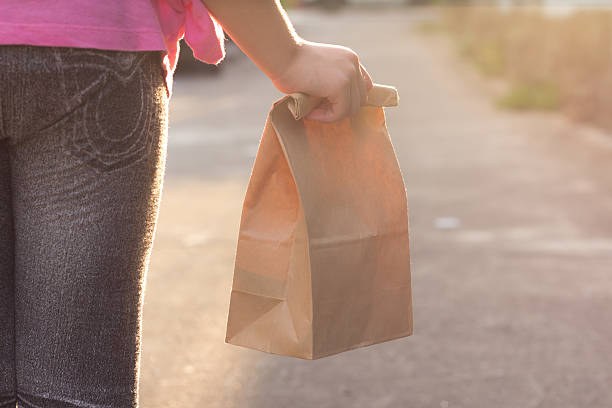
322, 264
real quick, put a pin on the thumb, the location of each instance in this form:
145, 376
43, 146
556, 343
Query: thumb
324, 112
321, 115
332, 109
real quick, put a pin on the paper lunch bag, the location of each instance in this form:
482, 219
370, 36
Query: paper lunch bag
322, 262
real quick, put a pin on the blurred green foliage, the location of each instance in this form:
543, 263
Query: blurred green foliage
551, 62
538, 96
487, 54
430, 26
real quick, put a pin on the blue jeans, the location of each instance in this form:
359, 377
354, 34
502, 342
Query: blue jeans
83, 137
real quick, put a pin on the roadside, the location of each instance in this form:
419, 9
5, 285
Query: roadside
548, 61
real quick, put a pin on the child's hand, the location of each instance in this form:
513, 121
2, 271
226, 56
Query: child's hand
264, 32
328, 71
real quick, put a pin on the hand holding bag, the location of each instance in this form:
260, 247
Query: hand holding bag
323, 262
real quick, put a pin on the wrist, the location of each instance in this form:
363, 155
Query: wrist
288, 78
279, 67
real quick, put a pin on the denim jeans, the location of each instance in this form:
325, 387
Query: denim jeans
83, 137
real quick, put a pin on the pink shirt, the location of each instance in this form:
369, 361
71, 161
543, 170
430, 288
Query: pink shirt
129, 25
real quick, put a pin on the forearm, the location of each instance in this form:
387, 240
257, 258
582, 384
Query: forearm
261, 29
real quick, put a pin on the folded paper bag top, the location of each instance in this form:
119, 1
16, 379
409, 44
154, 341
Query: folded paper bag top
323, 261
300, 104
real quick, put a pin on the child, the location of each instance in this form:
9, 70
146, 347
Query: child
84, 90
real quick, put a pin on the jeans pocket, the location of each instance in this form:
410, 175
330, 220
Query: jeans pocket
115, 107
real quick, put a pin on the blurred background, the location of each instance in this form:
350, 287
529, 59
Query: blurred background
504, 137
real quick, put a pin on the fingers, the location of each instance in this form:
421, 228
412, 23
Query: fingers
363, 90
357, 97
318, 114
338, 107
349, 95
359, 91
347, 103
366, 78
322, 113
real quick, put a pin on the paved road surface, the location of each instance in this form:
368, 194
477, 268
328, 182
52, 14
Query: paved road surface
511, 226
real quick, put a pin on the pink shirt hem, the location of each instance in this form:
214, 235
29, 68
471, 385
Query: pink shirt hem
60, 35
128, 25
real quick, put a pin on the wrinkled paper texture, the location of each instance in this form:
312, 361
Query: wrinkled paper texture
323, 260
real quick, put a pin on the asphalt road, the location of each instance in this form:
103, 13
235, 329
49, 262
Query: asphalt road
511, 220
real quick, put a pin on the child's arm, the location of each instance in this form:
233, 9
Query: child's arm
263, 31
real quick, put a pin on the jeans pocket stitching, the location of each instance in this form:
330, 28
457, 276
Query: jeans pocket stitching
88, 138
